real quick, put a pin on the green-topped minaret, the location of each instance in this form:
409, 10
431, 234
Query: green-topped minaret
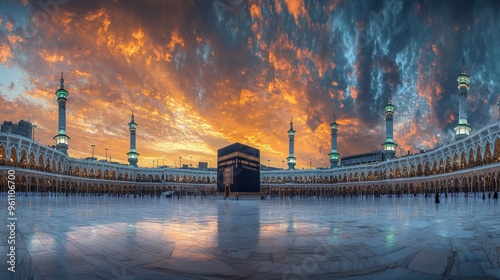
334, 155
61, 137
462, 129
389, 145
291, 159
132, 155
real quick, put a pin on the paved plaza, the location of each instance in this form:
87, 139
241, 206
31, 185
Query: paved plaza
59, 237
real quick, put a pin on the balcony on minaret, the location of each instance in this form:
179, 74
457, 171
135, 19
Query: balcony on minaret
462, 131
389, 108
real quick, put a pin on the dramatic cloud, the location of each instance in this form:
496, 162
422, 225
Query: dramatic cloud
199, 75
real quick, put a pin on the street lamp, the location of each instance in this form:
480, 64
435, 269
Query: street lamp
310, 163
438, 139
190, 161
106, 154
180, 162
400, 151
93, 145
283, 163
268, 164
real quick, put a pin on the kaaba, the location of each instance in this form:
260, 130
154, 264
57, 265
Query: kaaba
238, 168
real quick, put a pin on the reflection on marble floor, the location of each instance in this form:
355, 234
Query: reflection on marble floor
309, 238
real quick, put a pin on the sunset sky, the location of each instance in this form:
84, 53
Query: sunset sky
200, 75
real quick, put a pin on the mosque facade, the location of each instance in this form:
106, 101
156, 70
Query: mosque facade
471, 163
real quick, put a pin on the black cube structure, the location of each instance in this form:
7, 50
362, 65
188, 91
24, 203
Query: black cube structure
238, 166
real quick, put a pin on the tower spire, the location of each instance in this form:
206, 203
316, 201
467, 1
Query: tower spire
132, 154
463, 65
334, 155
389, 145
61, 137
462, 129
62, 81
291, 157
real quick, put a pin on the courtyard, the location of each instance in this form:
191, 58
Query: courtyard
108, 237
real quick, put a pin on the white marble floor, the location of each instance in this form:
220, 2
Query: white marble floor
309, 238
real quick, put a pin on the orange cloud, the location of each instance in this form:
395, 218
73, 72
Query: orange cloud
50, 57
255, 12
354, 92
5, 53
297, 9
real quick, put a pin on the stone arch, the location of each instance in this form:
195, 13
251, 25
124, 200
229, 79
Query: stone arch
455, 162
427, 168
441, 166
434, 169
3, 156
397, 173
13, 161
31, 162
496, 150
447, 167
77, 171
53, 168
47, 164
23, 160
40, 163
463, 160
472, 161
479, 158
488, 157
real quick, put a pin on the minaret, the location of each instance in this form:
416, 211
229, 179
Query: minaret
334, 155
462, 129
291, 158
132, 155
61, 137
389, 145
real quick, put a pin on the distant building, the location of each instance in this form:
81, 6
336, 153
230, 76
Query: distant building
202, 165
24, 128
362, 158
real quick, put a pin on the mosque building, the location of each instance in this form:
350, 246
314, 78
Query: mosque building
471, 163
